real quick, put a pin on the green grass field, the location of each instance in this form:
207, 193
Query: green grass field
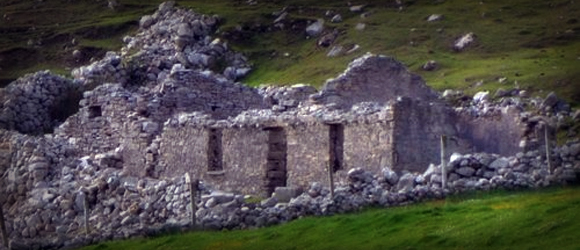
546, 219
534, 44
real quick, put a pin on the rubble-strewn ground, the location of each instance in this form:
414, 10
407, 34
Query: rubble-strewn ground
520, 220
531, 44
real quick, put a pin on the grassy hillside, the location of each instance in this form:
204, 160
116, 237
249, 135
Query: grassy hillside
534, 44
546, 219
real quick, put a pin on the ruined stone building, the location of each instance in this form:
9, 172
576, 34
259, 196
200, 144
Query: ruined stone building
119, 138
162, 112
235, 138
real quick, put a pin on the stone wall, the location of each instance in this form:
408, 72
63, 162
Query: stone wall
308, 153
189, 91
36, 103
404, 136
498, 132
183, 149
418, 127
373, 78
368, 145
128, 147
245, 152
235, 163
98, 126
138, 134
46, 186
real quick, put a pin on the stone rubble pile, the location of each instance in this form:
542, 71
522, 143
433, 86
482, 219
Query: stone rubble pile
285, 98
108, 69
168, 37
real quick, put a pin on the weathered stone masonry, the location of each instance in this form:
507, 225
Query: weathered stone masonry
298, 152
160, 135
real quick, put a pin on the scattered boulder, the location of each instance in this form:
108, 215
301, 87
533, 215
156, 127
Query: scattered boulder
327, 40
146, 21
406, 183
576, 115
465, 171
501, 93
315, 29
281, 17
430, 65
360, 26
336, 18
353, 48
481, 97
434, 18
77, 55
334, 51
357, 8
551, 100
390, 176
450, 94
464, 41
553, 103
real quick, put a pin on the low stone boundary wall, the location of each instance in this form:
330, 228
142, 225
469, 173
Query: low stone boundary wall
122, 206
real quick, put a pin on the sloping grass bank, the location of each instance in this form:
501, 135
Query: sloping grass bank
532, 45
546, 219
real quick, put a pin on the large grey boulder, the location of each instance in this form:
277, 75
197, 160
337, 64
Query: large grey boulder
464, 41
406, 183
315, 28
285, 194
501, 162
465, 171
145, 21
390, 176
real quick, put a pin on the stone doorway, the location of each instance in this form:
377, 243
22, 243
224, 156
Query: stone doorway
276, 161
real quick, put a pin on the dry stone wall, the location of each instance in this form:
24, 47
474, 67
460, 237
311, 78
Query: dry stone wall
36, 103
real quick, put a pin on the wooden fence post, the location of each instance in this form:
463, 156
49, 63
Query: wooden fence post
331, 180
3, 228
86, 208
443, 161
548, 154
192, 194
